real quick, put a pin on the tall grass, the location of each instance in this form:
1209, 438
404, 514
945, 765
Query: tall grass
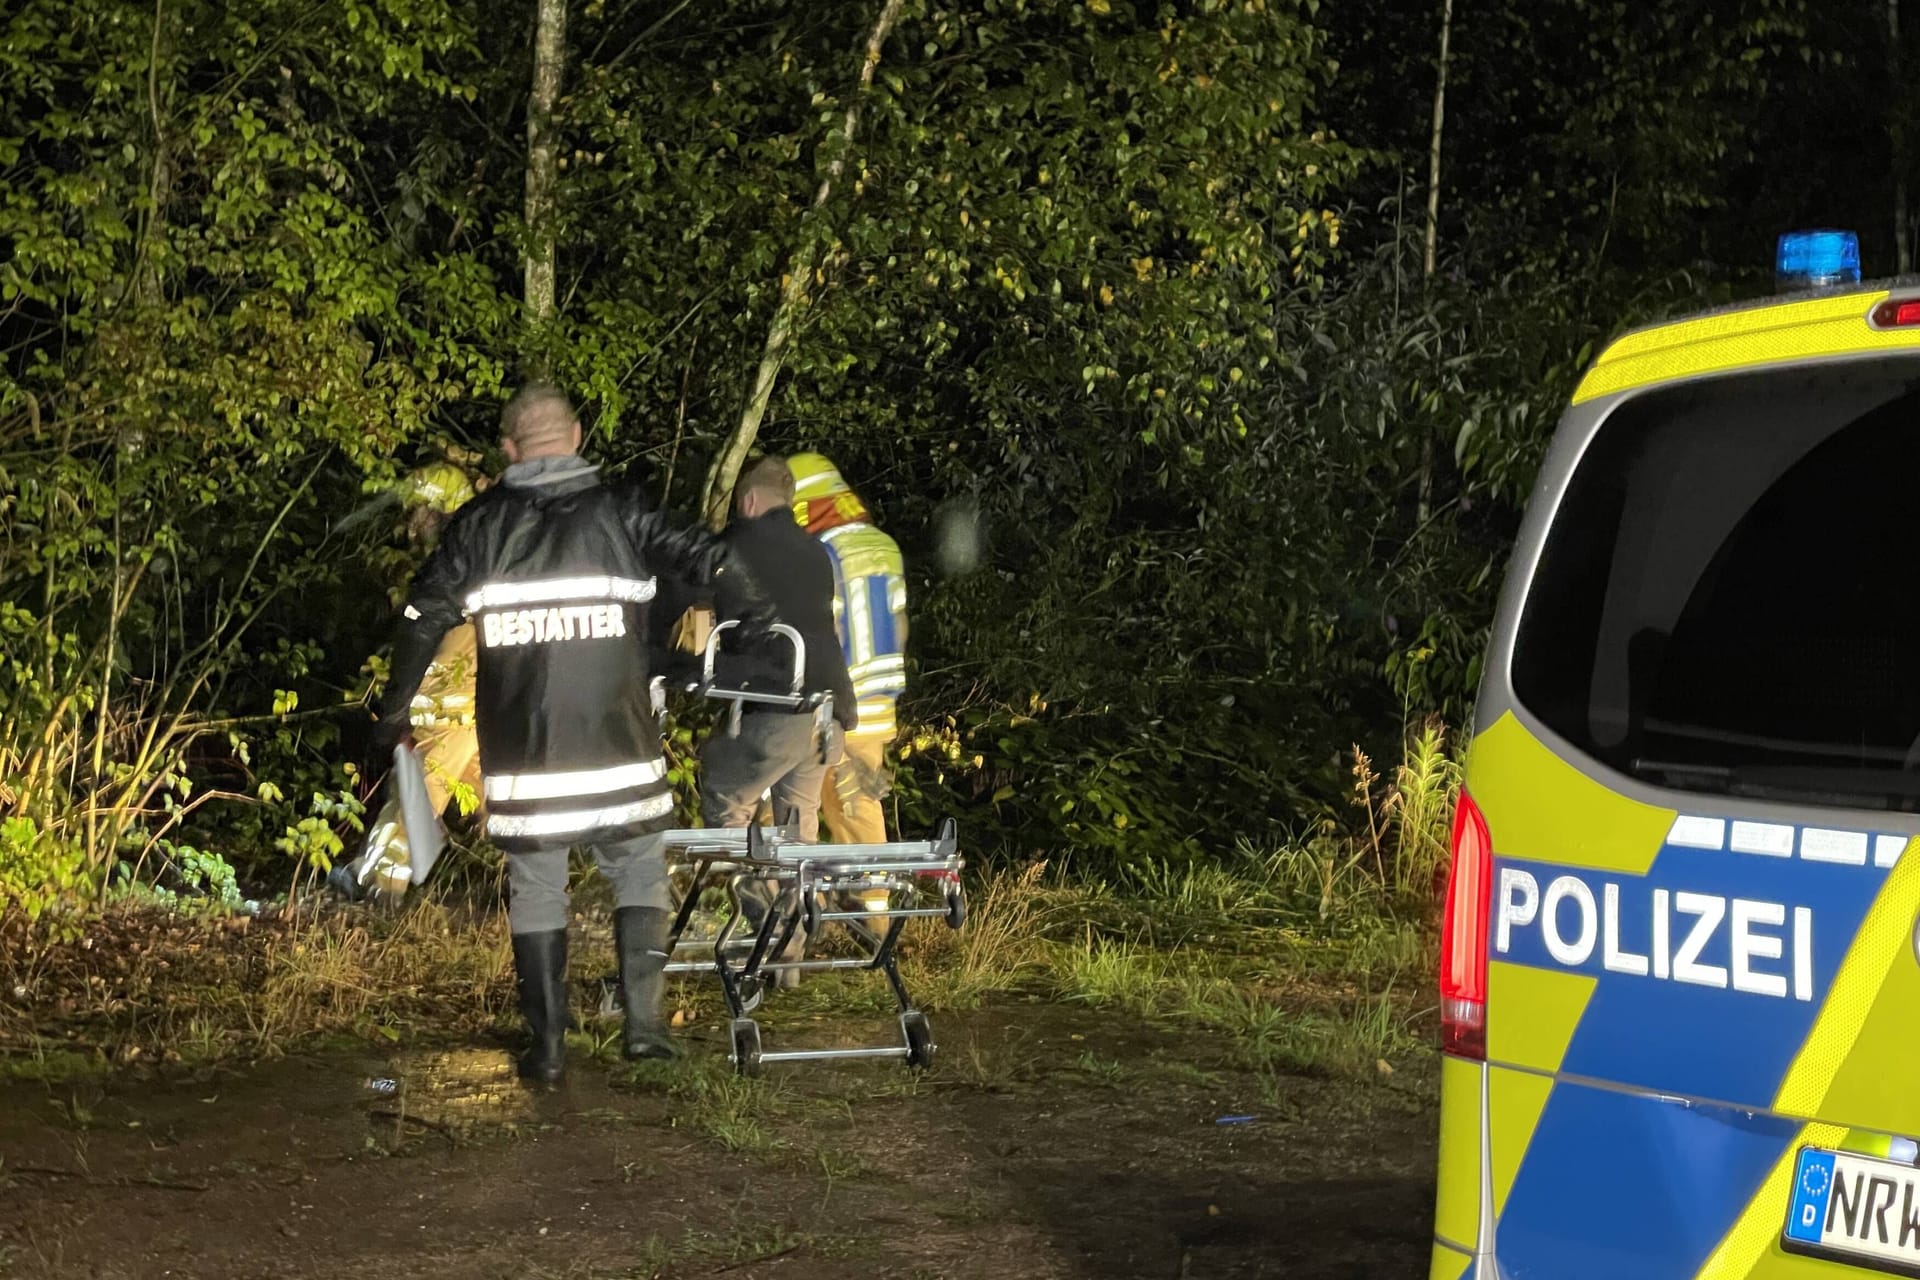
1315, 953
1420, 800
342, 976
1394, 857
997, 950
1103, 971
153, 984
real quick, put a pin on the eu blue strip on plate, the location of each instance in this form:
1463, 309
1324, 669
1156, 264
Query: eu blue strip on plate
1812, 1184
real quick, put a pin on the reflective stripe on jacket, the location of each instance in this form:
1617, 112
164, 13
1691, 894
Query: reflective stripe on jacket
870, 606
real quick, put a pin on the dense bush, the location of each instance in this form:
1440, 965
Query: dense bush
1132, 289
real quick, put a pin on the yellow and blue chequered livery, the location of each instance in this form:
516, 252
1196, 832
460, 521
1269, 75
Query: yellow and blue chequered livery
869, 588
1684, 981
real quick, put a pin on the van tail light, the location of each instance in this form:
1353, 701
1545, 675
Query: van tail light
1896, 313
1463, 937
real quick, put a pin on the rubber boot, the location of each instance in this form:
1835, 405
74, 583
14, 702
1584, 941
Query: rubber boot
540, 964
642, 936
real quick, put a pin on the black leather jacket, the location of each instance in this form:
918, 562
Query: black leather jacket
556, 571
797, 575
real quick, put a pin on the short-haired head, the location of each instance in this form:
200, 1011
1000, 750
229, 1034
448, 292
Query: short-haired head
539, 422
765, 486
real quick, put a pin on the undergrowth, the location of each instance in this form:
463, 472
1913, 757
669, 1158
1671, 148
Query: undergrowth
1313, 956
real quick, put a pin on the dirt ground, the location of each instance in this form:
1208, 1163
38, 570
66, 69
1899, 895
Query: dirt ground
1045, 1142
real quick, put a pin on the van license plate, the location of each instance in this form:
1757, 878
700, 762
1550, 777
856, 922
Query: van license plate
1856, 1209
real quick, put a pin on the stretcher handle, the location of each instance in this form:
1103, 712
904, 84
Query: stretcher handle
799, 681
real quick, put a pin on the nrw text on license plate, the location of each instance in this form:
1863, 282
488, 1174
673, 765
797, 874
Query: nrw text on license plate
1856, 1208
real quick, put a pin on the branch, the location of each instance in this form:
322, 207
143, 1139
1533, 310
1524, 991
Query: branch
680, 425
641, 39
179, 815
666, 339
159, 183
165, 724
726, 467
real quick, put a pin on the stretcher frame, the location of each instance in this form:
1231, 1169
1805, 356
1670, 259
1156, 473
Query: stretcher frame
805, 877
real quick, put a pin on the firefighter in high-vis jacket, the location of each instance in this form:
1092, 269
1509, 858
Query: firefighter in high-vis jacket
441, 715
442, 712
870, 608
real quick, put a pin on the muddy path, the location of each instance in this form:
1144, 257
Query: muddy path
1045, 1143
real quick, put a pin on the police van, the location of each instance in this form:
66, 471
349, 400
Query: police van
1680, 979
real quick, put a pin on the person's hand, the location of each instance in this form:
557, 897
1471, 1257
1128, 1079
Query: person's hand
689, 635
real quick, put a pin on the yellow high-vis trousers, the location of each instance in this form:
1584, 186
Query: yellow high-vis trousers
850, 801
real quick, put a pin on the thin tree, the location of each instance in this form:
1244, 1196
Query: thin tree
1433, 144
793, 291
1424, 504
549, 60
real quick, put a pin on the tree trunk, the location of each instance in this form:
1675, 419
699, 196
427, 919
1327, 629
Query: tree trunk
147, 275
549, 58
1433, 145
1424, 504
1897, 102
793, 292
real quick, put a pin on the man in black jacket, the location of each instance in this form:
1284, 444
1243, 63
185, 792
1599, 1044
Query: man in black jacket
778, 749
556, 571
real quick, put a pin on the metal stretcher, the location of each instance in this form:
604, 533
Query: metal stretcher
779, 886
805, 880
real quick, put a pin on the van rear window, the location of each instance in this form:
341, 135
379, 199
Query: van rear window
1728, 598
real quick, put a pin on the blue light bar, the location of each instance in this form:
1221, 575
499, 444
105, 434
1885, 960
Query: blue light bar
1816, 259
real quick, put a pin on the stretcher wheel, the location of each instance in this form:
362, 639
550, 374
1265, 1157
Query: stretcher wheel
956, 907
810, 912
746, 1046
913, 1024
751, 992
